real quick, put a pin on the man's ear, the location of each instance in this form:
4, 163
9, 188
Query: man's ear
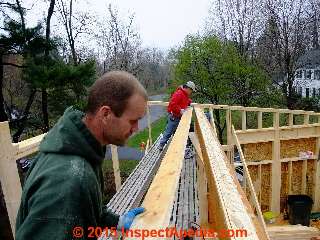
104, 112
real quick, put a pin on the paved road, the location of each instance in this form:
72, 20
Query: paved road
156, 112
128, 153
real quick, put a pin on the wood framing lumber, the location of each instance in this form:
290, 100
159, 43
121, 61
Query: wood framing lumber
115, 164
285, 133
290, 120
9, 176
244, 120
228, 206
201, 182
159, 199
250, 184
276, 167
158, 103
306, 119
290, 177
230, 153
260, 120
316, 178
28, 146
149, 125
283, 160
304, 177
212, 121
136, 185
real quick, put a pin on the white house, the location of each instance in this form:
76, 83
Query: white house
307, 76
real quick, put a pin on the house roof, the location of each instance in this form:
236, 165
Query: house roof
311, 59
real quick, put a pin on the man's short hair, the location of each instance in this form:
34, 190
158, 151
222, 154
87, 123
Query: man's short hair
114, 89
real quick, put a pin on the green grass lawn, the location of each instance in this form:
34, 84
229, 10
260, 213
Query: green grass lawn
157, 128
126, 167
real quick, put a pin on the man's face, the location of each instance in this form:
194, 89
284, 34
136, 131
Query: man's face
117, 130
189, 91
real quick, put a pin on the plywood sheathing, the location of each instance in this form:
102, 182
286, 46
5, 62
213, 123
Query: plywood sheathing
257, 151
253, 170
310, 177
288, 149
291, 148
296, 177
284, 186
266, 187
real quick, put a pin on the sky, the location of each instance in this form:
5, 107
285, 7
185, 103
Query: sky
161, 23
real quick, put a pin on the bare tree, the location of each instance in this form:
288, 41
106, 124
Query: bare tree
155, 71
75, 23
119, 42
237, 20
283, 41
313, 12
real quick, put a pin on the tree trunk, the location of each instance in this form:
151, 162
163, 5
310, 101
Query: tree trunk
45, 114
220, 129
3, 115
44, 103
22, 124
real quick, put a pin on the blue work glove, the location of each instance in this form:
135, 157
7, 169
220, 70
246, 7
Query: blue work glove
126, 219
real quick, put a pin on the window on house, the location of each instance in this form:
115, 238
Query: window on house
307, 92
317, 74
300, 91
299, 74
314, 92
308, 74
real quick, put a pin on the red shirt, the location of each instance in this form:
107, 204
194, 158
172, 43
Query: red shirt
179, 100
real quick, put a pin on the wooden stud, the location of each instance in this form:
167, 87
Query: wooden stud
244, 172
158, 103
304, 176
290, 121
260, 120
290, 177
115, 164
276, 167
230, 153
147, 147
149, 125
306, 118
9, 176
201, 182
260, 183
244, 120
160, 197
211, 117
316, 178
250, 184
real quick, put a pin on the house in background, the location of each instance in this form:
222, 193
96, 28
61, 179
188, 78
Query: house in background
307, 75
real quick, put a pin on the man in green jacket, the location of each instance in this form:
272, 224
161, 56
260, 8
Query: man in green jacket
62, 194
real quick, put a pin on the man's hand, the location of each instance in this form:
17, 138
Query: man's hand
182, 111
126, 219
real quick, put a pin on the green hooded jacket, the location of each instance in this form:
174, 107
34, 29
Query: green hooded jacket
64, 185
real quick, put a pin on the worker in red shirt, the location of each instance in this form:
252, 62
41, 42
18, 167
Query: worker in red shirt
178, 104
